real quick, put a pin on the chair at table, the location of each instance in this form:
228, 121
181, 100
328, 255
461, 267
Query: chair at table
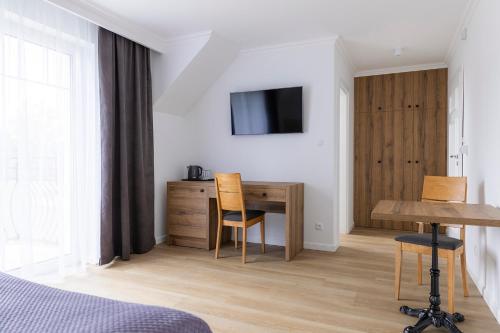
232, 212
437, 189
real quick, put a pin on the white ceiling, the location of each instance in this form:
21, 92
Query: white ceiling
371, 29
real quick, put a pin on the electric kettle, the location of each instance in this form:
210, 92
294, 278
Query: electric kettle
194, 172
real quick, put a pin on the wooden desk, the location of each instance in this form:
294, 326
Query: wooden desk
435, 213
192, 212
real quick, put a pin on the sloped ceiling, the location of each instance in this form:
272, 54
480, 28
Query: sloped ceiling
187, 69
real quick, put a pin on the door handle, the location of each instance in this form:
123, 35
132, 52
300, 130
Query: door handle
454, 156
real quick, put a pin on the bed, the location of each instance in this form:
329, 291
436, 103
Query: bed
30, 307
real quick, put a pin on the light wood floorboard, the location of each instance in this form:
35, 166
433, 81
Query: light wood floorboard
350, 291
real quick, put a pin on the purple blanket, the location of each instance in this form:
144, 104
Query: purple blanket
29, 307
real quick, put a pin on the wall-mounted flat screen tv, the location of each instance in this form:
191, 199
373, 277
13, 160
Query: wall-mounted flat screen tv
267, 111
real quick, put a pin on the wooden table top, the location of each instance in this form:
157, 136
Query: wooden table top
432, 212
245, 183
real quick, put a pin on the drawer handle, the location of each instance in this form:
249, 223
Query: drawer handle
264, 194
417, 105
409, 106
379, 162
416, 162
380, 108
202, 190
409, 162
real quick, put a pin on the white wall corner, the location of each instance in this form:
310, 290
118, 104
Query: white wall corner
321, 246
465, 19
344, 53
492, 303
112, 22
160, 239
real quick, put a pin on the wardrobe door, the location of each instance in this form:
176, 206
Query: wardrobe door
393, 164
362, 93
377, 93
429, 148
402, 97
377, 143
408, 165
362, 168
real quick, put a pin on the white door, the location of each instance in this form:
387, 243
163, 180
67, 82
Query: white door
455, 124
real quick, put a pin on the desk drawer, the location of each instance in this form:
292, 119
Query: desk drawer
265, 194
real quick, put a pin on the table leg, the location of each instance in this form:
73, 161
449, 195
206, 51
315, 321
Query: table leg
433, 315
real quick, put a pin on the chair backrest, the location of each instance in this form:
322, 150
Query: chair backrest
445, 189
229, 192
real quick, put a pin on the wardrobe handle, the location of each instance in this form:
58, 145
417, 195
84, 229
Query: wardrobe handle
416, 162
409, 106
264, 194
417, 105
379, 162
380, 108
409, 162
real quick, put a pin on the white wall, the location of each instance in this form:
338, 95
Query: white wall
172, 149
306, 157
480, 56
203, 136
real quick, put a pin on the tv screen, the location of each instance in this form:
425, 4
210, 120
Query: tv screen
267, 111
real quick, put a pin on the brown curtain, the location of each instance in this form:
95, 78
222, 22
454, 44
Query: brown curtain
127, 207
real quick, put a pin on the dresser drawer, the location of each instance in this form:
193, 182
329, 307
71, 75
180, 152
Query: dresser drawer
187, 219
185, 206
188, 231
265, 194
188, 191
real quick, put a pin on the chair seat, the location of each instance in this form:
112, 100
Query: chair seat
445, 242
235, 216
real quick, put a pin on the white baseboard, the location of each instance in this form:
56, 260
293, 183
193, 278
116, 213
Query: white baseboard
160, 239
321, 246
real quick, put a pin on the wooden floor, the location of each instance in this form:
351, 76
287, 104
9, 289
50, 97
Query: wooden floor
348, 291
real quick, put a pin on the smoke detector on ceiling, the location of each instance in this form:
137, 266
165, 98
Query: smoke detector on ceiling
398, 51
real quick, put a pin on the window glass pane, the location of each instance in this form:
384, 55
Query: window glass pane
11, 55
58, 69
35, 62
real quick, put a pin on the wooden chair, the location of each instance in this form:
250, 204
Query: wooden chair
437, 189
232, 212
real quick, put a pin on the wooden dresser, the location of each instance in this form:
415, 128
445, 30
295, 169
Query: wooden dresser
192, 211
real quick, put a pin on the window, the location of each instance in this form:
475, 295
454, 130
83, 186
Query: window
49, 202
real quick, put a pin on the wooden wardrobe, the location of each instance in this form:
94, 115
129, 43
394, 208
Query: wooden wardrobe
400, 136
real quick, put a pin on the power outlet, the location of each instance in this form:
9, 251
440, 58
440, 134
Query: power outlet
318, 226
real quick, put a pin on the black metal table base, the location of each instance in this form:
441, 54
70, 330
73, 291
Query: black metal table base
427, 317
433, 315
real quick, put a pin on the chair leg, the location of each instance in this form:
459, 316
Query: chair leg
262, 237
235, 236
419, 269
244, 246
219, 239
463, 266
451, 281
397, 275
